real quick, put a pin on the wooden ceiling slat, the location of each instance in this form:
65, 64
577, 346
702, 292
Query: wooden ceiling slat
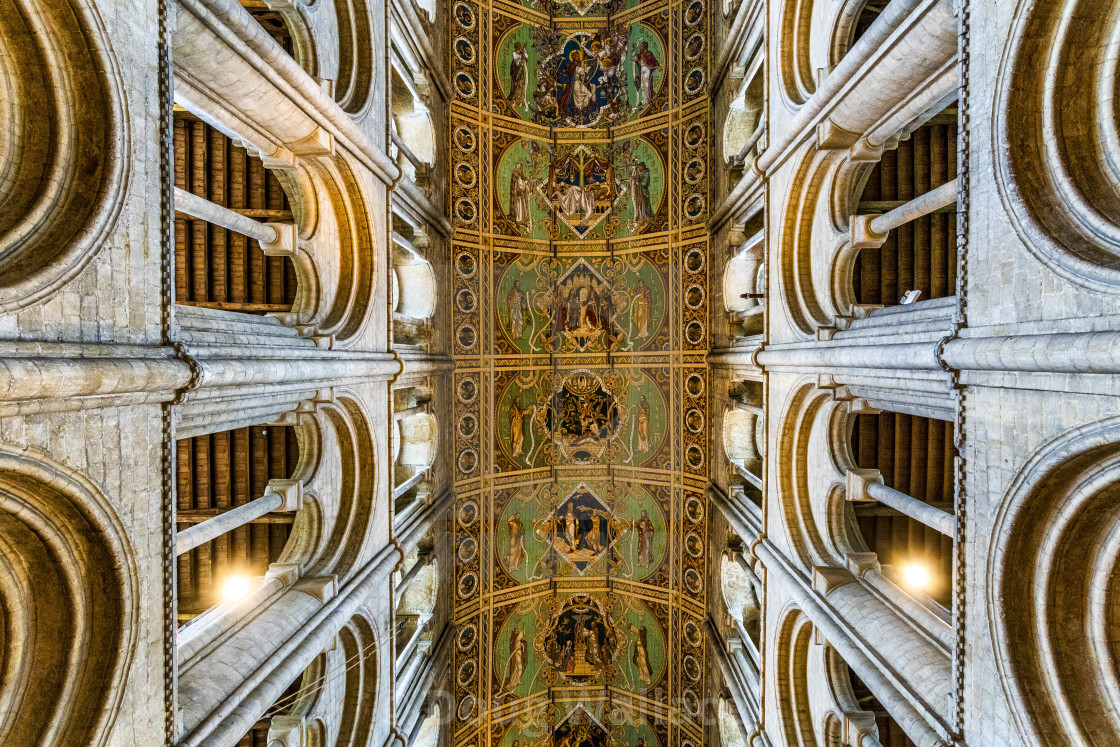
216, 267
215, 473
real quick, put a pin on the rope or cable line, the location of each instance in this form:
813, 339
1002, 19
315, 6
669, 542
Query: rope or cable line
317, 685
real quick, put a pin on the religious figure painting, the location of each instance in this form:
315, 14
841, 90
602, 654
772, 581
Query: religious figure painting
518, 656
584, 78
582, 306
582, 533
581, 729
578, 165
580, 416
581, 529
520, 194
583, 416
646, 69
581, 642
583, 309
579, 191
581, 78
586, 724
572, 8
517, 552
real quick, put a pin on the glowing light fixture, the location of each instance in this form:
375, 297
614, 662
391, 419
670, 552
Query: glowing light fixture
916, 576
235, 588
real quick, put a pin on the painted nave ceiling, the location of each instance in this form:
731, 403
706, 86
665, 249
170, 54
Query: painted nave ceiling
580, 153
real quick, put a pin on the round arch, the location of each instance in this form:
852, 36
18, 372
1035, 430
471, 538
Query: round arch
67, 642
1054, 600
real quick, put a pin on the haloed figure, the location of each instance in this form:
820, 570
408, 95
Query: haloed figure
643, 305
645, 540
519, 76
518, 651
643, 424
515, 303
516, 429
519, 189
517, 553
641, 654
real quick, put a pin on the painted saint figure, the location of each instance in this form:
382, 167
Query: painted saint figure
592, 538
516, 302
592, 655
567, 663
519, 191
643, 424
519, 76
583, 88
642, 309
639, 191
516, 428
517, 553
580, 91
645, 540
641, 653
645, 63
571, 528
518, 651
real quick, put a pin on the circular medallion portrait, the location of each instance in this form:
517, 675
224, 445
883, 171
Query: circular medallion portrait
468, 514
464, 139
467, 391
464, 85
464, 50
467, 461
464, 16
694, 46
694, 13
465, 210
465, 301
694, 135
464, 175
465, 264
694, 385
694, 81
466, 336
694, 261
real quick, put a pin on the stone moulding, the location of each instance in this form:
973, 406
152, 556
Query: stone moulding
68, 586
1060, 181
62, 147
1053, 601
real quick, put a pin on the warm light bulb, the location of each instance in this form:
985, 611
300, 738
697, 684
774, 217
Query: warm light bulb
235, 588
916, 576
